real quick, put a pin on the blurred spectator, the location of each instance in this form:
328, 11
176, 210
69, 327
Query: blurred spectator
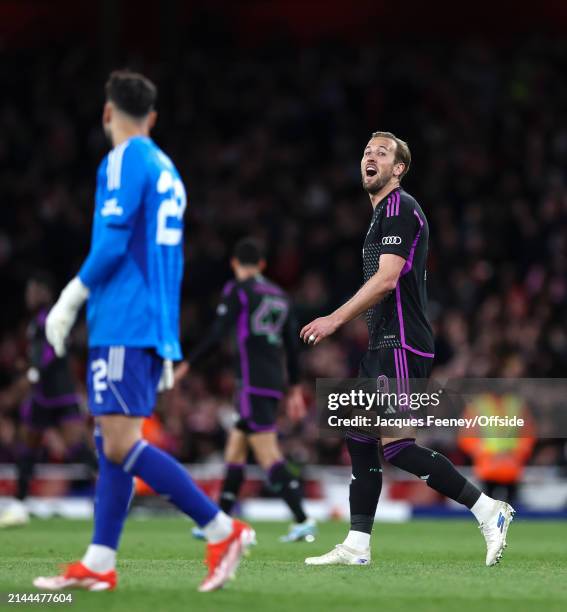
498, 461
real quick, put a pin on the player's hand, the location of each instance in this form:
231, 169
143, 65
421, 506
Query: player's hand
62, 316
318, 330
296, 407
181, 372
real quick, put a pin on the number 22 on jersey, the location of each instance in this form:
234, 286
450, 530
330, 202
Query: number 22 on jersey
170, 208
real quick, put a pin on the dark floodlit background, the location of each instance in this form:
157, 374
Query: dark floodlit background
265, 107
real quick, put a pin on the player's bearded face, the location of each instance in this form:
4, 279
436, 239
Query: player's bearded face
375, 176
377, 165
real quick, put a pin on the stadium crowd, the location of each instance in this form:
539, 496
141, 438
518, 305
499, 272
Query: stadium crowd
269, 145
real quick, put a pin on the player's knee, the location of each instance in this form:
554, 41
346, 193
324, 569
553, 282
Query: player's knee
236, 452
266, 450
112, 451
267, 455
427, 464
116, 449
267, 459
365, 451
235, 457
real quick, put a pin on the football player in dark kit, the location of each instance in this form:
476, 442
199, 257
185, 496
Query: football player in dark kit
266, 334
400, 348
52, 402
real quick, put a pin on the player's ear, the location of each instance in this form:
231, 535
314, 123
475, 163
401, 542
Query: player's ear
234, 264
398, 169
107, 113
152, 119
262, 265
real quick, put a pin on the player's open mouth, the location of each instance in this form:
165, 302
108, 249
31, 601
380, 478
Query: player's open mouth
371, 170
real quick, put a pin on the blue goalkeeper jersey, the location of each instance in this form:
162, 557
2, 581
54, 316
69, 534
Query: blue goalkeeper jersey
135, 265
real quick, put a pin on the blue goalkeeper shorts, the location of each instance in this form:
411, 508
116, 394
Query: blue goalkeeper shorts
123, 380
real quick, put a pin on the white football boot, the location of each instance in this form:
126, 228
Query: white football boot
341, 555
494, 530
15, 515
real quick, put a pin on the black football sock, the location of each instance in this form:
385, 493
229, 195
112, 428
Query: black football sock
433, 467
25, 464
288, 488
366, 483
233, 479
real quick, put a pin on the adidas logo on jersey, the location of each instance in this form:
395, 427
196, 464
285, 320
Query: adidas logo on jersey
110, 207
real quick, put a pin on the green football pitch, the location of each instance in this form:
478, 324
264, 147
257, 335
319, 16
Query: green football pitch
422, 565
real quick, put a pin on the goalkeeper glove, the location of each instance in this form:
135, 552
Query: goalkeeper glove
64, 313
166, 380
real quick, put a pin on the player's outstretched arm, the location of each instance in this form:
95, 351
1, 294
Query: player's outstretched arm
372, 292
227, 314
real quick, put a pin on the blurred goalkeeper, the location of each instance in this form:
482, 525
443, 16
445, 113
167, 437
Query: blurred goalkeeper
400, 348
260, 314
132, 280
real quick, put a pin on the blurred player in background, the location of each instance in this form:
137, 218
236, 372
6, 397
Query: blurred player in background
52, 403
400, 348
132, 280
260, 314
